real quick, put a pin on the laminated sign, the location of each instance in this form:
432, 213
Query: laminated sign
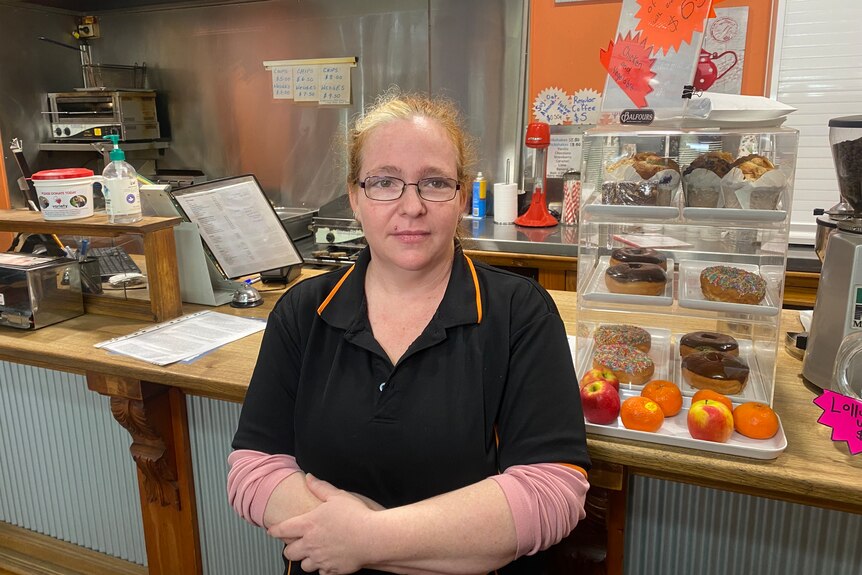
652, 59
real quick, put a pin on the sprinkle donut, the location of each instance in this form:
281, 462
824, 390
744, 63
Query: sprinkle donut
623, 335
733, 285
628, 363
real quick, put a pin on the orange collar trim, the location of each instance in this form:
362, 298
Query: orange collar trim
334, 291
476, 285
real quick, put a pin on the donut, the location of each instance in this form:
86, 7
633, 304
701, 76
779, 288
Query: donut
628, 363
707, 341
730, 284
638, 255
623, 335
716, 371
636, 278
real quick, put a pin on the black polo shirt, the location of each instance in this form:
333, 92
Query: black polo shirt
488, 384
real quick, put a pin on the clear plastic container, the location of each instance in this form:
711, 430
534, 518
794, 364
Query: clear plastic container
845, 137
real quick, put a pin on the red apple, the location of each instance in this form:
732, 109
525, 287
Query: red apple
596, 374
600, 401
710, 420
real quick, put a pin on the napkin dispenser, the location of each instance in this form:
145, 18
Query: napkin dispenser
36, 291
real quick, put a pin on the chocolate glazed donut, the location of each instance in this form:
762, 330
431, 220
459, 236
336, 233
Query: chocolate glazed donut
636, 278
716, 371
707, 341
638, 255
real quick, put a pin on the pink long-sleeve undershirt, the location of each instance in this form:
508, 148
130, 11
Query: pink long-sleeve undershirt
546, 499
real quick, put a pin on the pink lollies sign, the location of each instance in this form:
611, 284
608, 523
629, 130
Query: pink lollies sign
844, 415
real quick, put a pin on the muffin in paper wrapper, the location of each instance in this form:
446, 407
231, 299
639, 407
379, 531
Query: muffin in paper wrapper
701, 188
625, 186
764, 193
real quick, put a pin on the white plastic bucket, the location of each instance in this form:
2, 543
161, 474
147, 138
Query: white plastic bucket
65, 194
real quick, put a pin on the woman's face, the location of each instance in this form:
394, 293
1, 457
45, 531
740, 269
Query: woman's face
409, 233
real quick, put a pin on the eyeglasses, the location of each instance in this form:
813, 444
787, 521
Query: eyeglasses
388, 188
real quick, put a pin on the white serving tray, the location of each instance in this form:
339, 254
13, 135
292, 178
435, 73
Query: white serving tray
754, 389
732, 214
674, 431
596, 290
691, 296
639, 212
660, 353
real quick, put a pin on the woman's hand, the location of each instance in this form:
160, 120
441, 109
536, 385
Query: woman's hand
331, 538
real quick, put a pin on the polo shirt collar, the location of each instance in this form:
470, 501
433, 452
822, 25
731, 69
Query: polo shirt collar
462, 303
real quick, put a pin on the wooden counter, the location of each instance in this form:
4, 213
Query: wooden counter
813, 470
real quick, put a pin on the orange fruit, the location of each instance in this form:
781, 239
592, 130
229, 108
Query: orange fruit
755, 420
713, 395
666, 394
641, 414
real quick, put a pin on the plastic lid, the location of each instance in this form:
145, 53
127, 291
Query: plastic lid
538, 135
62, 174
846, 122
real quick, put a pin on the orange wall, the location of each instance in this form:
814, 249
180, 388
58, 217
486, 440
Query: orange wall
5, 237
565, 40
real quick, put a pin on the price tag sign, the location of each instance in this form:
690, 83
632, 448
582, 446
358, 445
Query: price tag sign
844, 415
669, 23
629, 65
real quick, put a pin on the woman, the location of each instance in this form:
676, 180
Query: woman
433, 398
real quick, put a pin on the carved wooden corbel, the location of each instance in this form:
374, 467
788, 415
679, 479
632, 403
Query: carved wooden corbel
129, 406
148, 450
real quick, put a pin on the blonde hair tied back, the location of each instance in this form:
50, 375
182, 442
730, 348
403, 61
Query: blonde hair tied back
394, 105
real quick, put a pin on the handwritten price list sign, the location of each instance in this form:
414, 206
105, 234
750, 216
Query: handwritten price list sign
844, 415
305, 83
335, 84
323, 83
282, 83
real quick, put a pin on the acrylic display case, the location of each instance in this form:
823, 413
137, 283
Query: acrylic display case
672, 192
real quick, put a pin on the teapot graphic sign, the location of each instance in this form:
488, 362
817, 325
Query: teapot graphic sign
708, 73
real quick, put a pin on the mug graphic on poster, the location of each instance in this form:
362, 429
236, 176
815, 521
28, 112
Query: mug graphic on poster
722, 55
707, 69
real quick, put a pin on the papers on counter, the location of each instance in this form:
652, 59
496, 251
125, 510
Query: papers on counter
183, 338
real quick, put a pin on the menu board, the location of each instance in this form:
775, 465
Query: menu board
652, 59
324, 81
238, 226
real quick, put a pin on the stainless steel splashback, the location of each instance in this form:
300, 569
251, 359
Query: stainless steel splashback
29, 69
206, 63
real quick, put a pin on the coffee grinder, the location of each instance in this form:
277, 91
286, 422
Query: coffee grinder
838, 308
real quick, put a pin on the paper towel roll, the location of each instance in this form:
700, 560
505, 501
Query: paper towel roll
505, 203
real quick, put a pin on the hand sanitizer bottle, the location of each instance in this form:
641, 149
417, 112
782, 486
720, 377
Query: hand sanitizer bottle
122, 194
